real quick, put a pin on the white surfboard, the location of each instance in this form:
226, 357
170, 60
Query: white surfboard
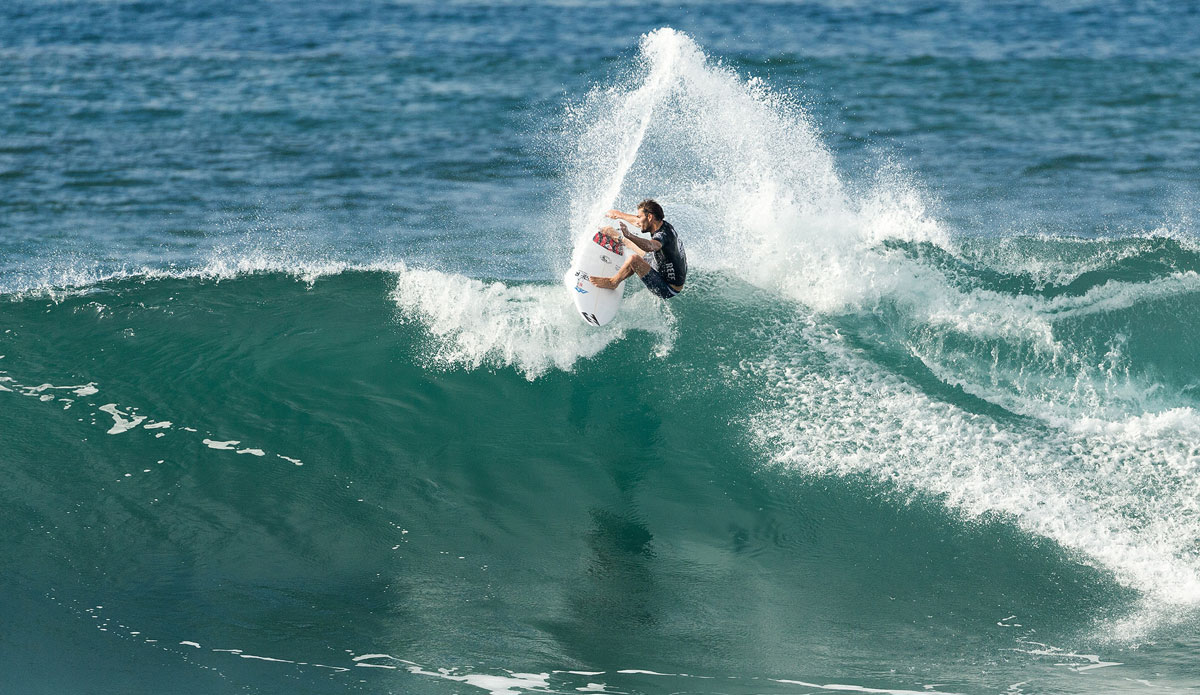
601, 256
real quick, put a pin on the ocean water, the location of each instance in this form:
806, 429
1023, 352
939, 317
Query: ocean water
294, 401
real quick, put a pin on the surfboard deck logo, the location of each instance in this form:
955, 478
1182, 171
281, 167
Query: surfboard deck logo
608, 242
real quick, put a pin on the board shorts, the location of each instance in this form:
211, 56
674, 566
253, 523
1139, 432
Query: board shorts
657, 285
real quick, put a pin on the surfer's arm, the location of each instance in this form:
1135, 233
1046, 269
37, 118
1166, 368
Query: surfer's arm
645, 245
618, 215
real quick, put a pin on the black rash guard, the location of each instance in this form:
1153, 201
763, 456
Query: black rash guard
671, 258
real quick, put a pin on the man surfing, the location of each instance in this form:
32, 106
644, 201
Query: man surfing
665, 277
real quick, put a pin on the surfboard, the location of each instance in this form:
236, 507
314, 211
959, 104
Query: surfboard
602, 256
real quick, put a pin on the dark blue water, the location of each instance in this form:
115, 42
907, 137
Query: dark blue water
152, 132
295, 402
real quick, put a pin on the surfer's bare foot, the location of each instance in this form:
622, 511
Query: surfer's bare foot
603, 283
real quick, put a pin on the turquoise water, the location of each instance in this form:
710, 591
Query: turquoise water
296, 403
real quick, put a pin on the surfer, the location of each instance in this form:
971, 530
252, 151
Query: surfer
665, 277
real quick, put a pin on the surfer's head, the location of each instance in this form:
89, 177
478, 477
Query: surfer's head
650, 215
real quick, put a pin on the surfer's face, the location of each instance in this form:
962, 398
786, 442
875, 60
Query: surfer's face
644, 220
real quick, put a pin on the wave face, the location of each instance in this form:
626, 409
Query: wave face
425, 458
863, 451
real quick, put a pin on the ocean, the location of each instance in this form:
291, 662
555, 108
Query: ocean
295, 400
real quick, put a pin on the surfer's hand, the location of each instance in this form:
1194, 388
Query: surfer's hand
624, 229
609, 232
613, 214
603, 283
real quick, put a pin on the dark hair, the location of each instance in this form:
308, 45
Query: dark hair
651, 206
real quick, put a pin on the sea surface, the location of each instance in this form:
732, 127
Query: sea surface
294, 399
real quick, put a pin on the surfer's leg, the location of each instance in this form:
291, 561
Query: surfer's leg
634, 264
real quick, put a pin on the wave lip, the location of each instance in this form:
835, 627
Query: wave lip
82, 277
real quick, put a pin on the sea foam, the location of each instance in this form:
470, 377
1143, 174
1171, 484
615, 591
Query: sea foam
531, 328
1109, 473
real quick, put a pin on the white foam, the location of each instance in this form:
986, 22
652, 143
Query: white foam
858, 688
362, 660
39, 390
122, 422
386, 666
743, 175
223, 446
1127, 505
611, 143
1111, 475
1060, 260
74, 277
266, 658
532, 328
515, 683
496, 685
1083, 662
